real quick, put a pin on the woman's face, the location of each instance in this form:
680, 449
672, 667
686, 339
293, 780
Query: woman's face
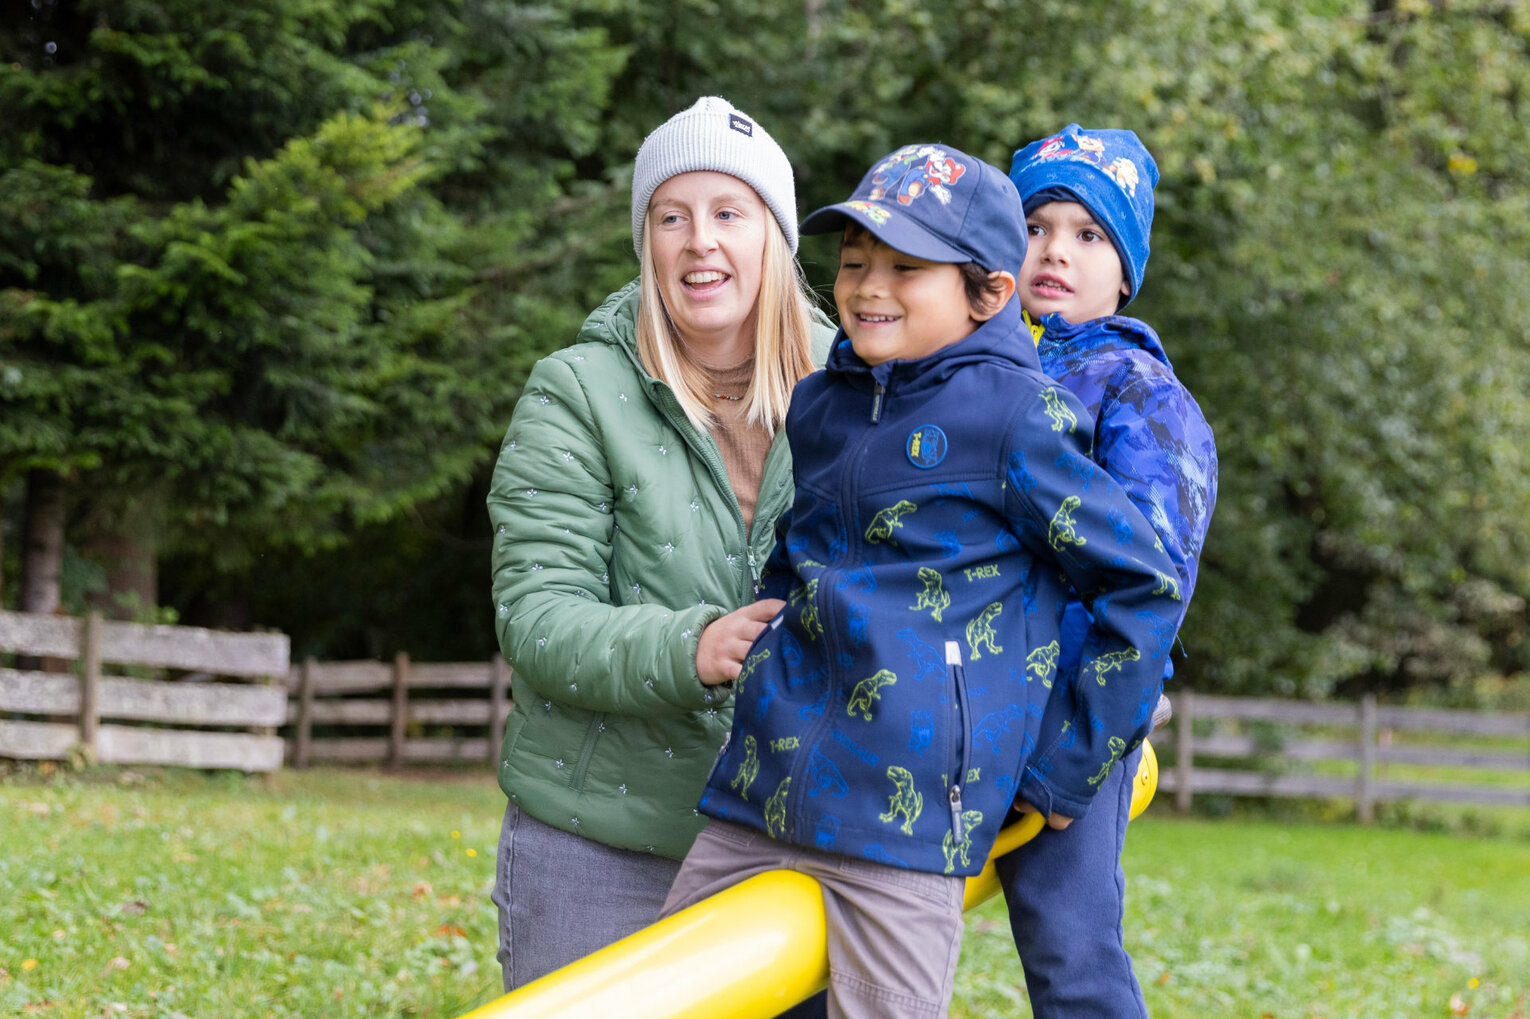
706, 232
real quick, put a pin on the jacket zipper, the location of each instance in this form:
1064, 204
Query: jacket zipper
964, 759
825, 617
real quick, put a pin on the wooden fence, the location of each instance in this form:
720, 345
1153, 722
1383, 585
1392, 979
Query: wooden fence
1283, 737
171, 713
398, 713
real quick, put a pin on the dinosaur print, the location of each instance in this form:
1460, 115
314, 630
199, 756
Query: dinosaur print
951, 848
807, 594
905, 799
1061, 532
775, 809
748, 769
1117, 747
1062, 416
868, 691
750, 664
1113, 660
824, 775
1041, 663
881, 527
980, 632
1167, 585
934, 596
926, 657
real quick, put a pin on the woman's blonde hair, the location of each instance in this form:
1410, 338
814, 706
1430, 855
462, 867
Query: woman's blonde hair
782, 344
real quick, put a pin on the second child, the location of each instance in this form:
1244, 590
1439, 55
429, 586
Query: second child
1088, 197
945, 504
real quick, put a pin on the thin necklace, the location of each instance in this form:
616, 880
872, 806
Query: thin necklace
720, 396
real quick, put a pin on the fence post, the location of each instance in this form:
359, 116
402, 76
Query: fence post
90, 684
400, 708
1364, 782
305, 714
498, 705
1184, 748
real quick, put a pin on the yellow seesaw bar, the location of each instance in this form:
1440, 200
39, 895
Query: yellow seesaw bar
745, 953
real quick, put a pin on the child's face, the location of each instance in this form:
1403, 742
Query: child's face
1070, 265
895, 306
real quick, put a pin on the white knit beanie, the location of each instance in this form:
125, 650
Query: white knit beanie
712, 135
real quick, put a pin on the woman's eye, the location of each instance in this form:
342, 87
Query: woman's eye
727, 214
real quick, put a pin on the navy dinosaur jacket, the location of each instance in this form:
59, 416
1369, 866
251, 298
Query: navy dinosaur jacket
1149, 435
943, 508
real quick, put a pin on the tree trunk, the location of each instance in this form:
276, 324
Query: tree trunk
122, 538
42, 543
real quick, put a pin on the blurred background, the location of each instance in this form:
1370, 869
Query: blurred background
272, 274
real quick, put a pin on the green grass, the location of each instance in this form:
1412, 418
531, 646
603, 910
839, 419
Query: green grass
349, 893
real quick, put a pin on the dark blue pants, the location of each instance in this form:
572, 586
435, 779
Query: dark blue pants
1066, 894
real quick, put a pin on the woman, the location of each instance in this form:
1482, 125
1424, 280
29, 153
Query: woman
633, 504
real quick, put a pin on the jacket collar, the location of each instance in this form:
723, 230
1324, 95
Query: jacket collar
1056, 337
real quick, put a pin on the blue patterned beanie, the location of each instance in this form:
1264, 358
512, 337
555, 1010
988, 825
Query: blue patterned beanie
1109, 172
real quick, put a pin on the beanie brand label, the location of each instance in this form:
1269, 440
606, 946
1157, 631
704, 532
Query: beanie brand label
743, 125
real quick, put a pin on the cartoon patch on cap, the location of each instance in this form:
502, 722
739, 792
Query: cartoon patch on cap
915, 170
926, 446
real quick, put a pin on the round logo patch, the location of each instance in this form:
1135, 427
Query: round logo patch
926, 446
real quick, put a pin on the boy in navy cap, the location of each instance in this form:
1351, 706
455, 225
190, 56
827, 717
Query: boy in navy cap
945, 502
1088, 197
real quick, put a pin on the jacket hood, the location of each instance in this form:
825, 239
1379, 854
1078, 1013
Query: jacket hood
1002, 337
1061, 338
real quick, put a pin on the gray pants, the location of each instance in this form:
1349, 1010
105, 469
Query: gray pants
894, 935
563, 896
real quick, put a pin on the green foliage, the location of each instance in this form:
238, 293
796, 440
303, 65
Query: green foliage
297, 259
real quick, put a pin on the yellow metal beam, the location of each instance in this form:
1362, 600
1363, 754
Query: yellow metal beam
746, 953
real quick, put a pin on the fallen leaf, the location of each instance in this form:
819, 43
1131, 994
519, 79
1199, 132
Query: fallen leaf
450, 930
1164, 978
422, 890
119, 963
135, 907
1458, 1004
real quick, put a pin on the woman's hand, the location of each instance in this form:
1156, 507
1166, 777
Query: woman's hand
1056, 821
724, 643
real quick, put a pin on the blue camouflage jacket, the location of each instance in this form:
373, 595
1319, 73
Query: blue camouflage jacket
943, 509
1149, 435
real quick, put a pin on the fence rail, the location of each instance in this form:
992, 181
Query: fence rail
382, 695
1371, 749
63, 711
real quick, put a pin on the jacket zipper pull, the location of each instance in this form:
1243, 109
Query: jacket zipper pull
954, 795
876, 403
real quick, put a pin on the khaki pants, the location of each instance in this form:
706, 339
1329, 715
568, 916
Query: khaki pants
894, 934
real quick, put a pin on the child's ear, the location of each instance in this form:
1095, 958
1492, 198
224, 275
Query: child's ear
1001, 288
1126, 289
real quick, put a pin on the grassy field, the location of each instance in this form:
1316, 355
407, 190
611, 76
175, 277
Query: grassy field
349, 893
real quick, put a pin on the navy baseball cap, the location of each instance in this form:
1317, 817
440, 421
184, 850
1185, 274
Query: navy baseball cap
935, 203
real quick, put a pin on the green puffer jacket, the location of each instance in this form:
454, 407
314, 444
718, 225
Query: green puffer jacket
616, 539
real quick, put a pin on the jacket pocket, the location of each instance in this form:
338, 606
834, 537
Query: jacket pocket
592, 731
961, 741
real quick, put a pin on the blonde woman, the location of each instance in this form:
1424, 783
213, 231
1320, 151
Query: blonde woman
634, 503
